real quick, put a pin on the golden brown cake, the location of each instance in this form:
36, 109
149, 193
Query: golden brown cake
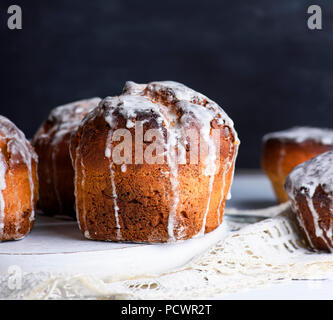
310, 188
136, 174
18, 182
55, 169
284, 150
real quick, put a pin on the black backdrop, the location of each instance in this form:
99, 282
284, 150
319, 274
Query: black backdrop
257, 59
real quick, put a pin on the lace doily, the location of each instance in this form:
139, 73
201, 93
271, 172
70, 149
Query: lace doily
251, 255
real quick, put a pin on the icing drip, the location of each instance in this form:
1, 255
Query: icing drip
210, 170
225, 172
302, 134
319, 231
17, 222
55, 176
233, 171
3, 169
112, 175
116, 208
172, 162
83, 181
83, 221
32, 215
77, 154
300, 220
222, 196
211, 183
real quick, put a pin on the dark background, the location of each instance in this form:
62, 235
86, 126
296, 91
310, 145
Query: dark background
257, 59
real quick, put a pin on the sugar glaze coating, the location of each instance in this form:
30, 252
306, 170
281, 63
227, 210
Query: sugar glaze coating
302, 134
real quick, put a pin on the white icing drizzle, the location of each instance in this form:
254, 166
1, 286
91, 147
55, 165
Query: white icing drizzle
82, 223
233, 171
210, 170
211, 183
19, 151
306, 178
116, 208
300, 219
17, 222
112, 175
222, 196
172, 162
166, 101
301, 134
318, 231
83, 184
55, 176
226, 170
32, 187
76, 171
3, 170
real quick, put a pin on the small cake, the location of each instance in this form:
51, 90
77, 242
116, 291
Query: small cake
55, 169
284, 150
310, 188
152, 189
18, 182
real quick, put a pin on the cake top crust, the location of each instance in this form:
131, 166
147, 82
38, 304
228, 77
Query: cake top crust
171, 101
315, 172
17, 147
73, 111
65, 119
302, 134
173, 106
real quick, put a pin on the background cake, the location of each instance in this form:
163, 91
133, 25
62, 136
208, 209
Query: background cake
284, 150
55, 169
